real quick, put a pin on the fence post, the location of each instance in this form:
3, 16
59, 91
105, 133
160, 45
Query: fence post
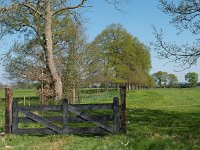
8, 112
65, 115
14, 117
116, 115
123, 109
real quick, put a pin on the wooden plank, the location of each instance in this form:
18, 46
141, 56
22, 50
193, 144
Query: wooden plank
84, 130
92, 106
41, 120
8, 111
52, 119
85, 116
36, 131
123, 109
14, 117
103, 118
87, 130
72, 119
59, 107
43, 108
65, 116
116, 115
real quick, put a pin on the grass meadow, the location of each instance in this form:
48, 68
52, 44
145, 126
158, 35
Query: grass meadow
158, 119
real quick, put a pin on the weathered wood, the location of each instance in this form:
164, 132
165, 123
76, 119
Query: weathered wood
43, 108
36, 131
92, 106
41, 120
8, 112
14, 117
116, 127
104, 118
87, 130
65, 115
52, 119
85, 116
123, 109
84, 130
79, 116
59, 107
72, 119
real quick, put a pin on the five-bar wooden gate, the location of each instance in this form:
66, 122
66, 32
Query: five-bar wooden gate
69, 114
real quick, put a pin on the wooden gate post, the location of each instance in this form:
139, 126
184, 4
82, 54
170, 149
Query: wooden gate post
65, 116
15, 117
123, 109
116, 128
8, 112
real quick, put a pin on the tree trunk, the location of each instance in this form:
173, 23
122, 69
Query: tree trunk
117, 86
73, 95
131, 86
49, 52
106, 88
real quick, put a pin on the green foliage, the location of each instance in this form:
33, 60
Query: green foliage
118, 57
192, 78
173, 80
163, 79
160, 77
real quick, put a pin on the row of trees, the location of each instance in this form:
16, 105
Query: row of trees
114, 57
43, 24
163, 79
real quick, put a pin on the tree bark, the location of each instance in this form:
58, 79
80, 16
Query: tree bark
49, 52
74, 95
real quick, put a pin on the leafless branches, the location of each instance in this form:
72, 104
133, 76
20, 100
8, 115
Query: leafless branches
184, 55
185, 14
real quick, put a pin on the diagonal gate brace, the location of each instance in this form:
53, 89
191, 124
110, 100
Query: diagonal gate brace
41, 120
88, 118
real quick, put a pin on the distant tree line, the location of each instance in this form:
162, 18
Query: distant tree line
163, 79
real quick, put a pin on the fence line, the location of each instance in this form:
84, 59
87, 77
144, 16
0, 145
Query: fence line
112, 122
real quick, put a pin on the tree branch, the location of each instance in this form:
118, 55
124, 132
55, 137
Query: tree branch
29, 6
32, 8
70, 7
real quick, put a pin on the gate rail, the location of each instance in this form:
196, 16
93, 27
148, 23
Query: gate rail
79, 116
114, 121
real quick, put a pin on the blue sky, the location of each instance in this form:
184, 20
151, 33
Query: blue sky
138, 20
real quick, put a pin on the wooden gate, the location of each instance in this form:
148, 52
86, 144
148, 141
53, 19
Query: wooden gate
69, 116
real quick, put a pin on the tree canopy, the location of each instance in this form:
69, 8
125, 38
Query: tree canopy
41, 24
163, 79
119, 57
192, 78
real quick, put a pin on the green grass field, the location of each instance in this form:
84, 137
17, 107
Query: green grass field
158, 119
19, 93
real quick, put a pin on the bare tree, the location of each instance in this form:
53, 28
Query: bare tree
185, 16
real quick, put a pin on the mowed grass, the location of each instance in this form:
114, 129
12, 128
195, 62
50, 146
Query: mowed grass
158, 119
19, 93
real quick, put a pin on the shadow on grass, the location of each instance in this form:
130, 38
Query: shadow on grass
147, 121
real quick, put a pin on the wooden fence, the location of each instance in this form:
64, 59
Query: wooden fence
67, 118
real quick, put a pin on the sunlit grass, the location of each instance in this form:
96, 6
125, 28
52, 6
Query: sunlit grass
158, 119
20, 93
